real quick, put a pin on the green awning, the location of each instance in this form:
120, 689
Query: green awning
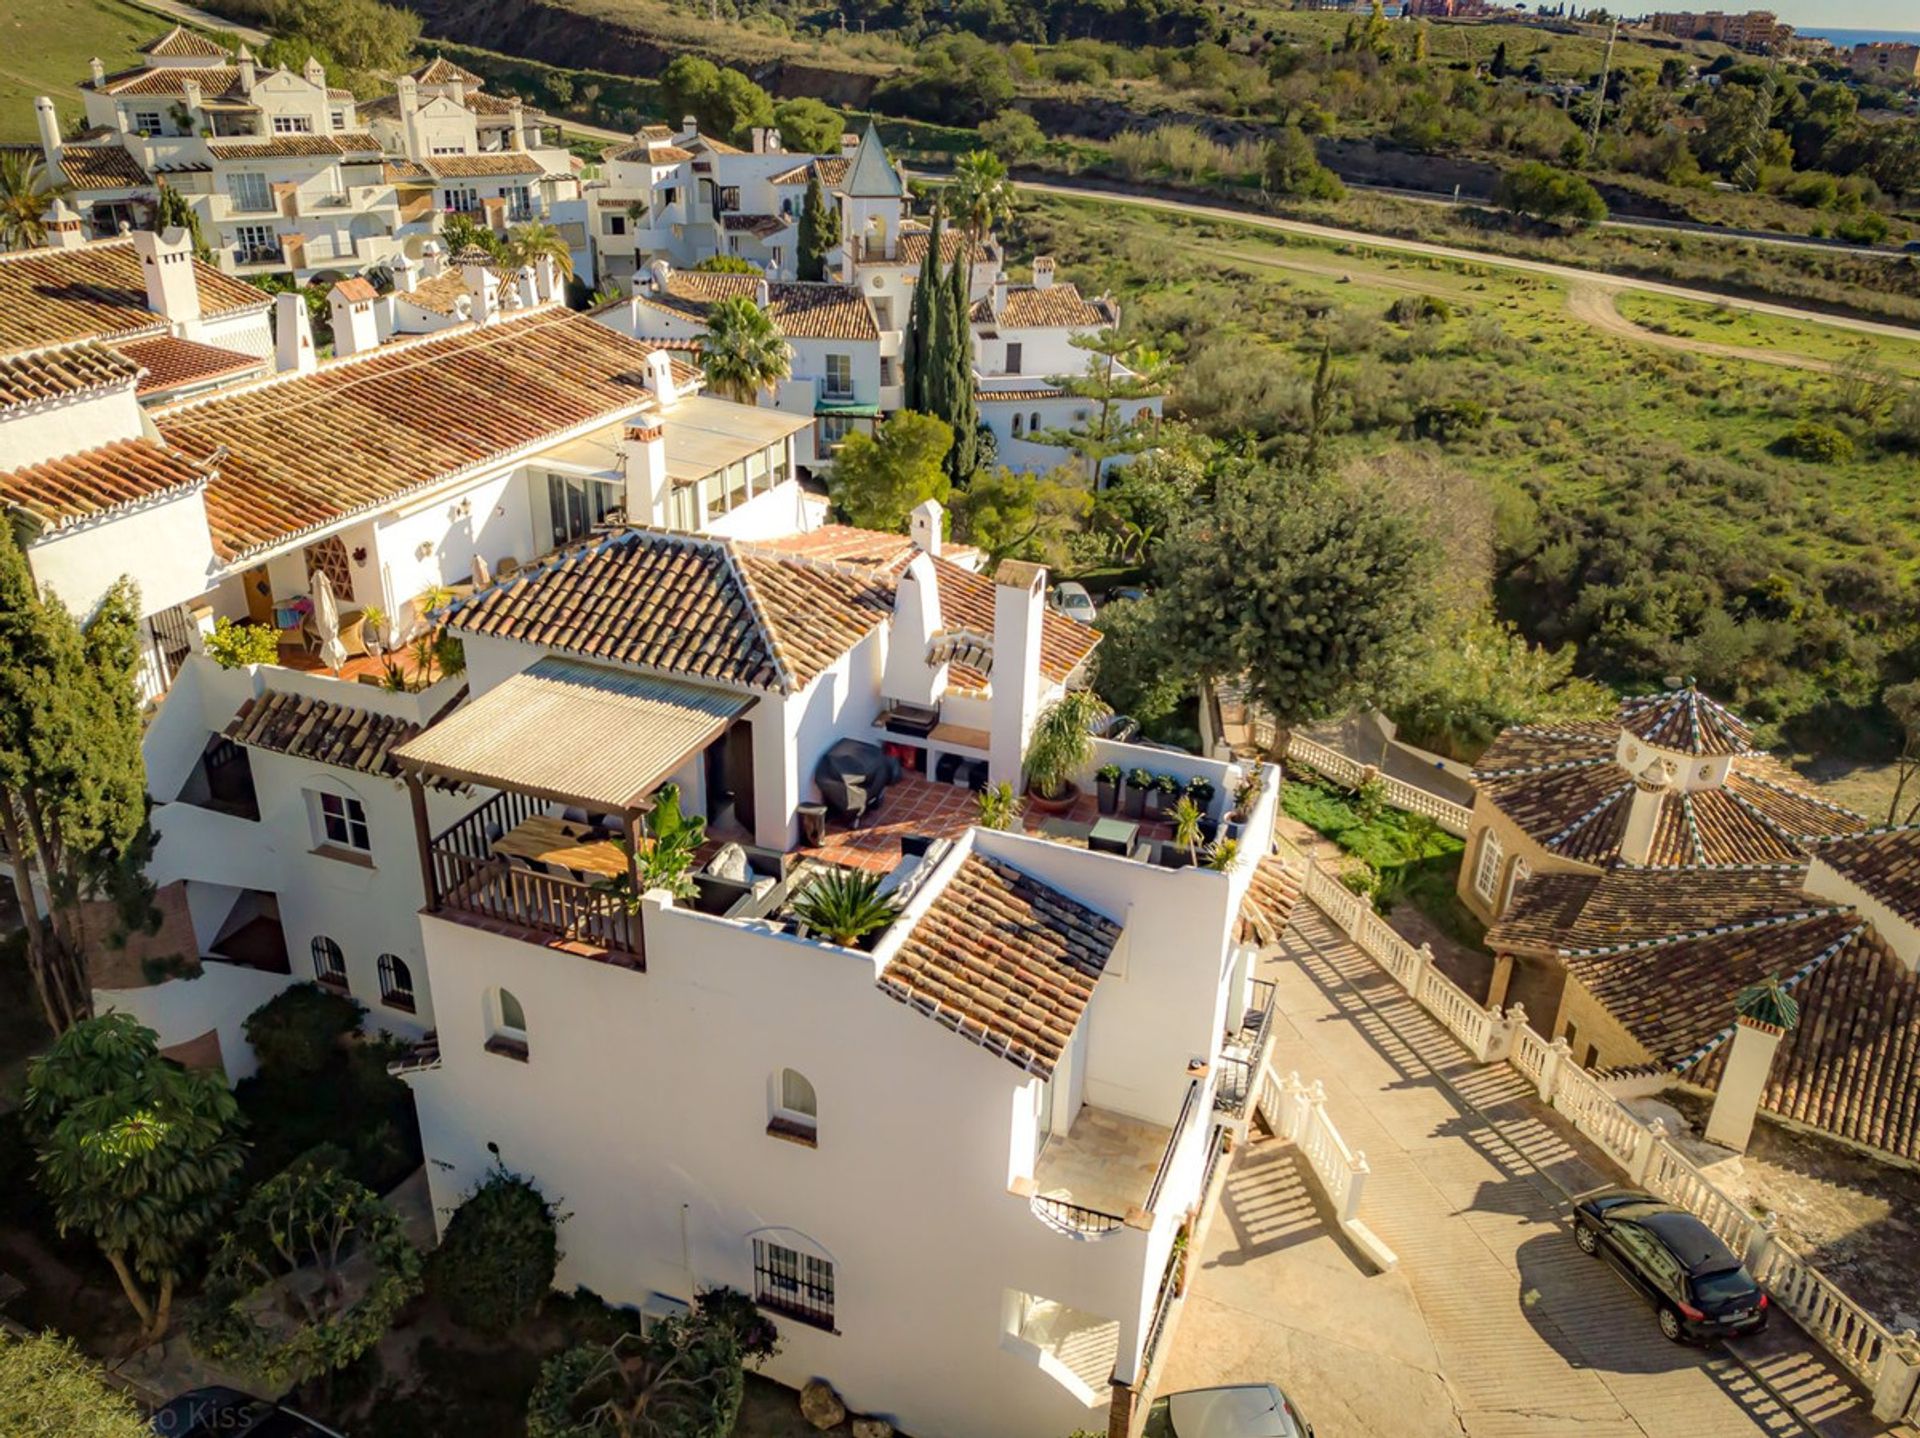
850, 408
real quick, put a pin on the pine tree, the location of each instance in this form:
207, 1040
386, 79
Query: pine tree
961, 412
72, 785
819, 229
920, 320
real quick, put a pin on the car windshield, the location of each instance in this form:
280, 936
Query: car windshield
1159, 1421
1726, 1283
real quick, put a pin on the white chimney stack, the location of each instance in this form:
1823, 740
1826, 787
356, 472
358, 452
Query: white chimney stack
546, 276
644, 457
247, 75
406, 273
292, 335
166, 265
529, 286
660, 378
762, 293
49, 123
350, 306
1019, 612
925, 524
64, 229
1743, 1083
432, 260
660, 272
97, 68
999, 299
315, 73
1043, 272
407, 93
517, 123
1643, 810
908, 677
481, 284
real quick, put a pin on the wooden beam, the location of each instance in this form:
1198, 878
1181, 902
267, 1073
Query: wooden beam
423, 835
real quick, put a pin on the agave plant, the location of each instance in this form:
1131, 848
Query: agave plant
846, 905
998, 806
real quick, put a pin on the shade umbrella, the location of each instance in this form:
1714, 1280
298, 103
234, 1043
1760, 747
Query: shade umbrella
326, 623
482, 576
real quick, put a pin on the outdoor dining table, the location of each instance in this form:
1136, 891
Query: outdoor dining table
549, 839
1113, 836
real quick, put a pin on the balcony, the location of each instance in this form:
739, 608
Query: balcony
1108, 1171
1243, 1053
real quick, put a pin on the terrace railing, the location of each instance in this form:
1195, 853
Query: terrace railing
1075, 1218
1454, 818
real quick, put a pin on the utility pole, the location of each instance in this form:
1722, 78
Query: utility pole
1747, 177
1600, 100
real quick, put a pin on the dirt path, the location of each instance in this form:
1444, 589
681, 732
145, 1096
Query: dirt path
1594, 305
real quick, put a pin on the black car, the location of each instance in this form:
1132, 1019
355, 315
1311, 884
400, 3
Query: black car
1696, 1285
229, 1413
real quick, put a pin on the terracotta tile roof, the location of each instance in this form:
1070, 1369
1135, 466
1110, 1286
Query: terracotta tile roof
399, 418
1566, 787
649, 153
966, 602
442, 71
469, 167
327, 733
442, 294
1676, 996
336, 92
912, 248
40, 375
717, 147
848, 544
404, 172
180, 43
355, 290
1686, 720
1885, 863
95, 292
1852, 1066
762, 225
802, 310
175, 363
294, 147
215, 81
1268, 904
128, 472
833, 172
1005, 961
92, 167
1583, 913
1023, 396
700, 608
1543, 909
1058, 306
480, 103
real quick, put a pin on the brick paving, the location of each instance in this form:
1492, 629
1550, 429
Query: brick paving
1494, 1325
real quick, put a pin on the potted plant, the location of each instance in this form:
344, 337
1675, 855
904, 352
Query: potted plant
1222, 857
1186, 827
1061, 745
663, 854
1107, 783
1244, 798
1139, 785
846, 905
998, 806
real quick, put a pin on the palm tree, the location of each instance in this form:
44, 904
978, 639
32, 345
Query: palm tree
26, 190
536, 238
846, 905
982, 196
743, 351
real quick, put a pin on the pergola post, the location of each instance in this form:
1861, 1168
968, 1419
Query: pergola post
632, 817
423, 836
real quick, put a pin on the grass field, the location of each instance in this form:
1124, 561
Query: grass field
45, 46
1717, 324
1642, 509
1560, 55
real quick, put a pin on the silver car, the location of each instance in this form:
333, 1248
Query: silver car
1072, 600
1245, 1410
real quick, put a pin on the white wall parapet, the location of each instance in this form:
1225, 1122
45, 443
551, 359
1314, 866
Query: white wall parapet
1887, 1364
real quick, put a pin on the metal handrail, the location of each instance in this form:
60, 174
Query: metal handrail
1075, 1218
1173, 1143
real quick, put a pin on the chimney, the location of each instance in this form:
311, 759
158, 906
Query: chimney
315, 73
908, 677
49, 123
166, 264
660, 378
350, 304
1743, 1082
529, 286
546, 276
190, 98
517, 123
1019, 610
924, 524
1643, 810
762, 293
849, 142
292, 335
482, 286
405, 272
689, 128
64, 230
432, 260
406, 92
1043, 272
766, 140
660, 272
247, 76
999, 300
98, 70
644, 457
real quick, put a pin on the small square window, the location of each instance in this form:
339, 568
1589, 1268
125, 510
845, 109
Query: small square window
343, 823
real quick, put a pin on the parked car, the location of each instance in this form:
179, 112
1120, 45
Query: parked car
1121, 728
1673, 1260
229, 1413
1128, 592
1072, 600
1911, 247
1245, 1410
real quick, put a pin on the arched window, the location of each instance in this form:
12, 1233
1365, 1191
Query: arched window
793, 1275
329, 963
1017, 422
396, 983
508, 1024
796, 1112
1033, 423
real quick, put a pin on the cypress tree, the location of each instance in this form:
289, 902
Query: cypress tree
819, 229
920, 320
961, 411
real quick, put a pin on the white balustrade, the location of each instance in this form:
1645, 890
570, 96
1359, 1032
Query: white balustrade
1454, 818
1300, 1110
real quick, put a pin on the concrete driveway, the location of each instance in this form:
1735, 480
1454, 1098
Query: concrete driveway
1494, 1325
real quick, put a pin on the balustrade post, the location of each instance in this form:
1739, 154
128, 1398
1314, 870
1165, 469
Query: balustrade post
1557, 1053
1646, 1143
1422, 966
1760, 1245
1356, 1182
1894, 1391
1500, 1031
1297, 1108
1288, 1118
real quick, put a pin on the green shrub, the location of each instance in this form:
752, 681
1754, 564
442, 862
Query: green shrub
1867, 228
1815, 443
235, 646
299, 1029
1547, 192
496, 1263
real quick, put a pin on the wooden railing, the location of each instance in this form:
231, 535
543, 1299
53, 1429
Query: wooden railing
1454, 818
469, 878
1886, 1364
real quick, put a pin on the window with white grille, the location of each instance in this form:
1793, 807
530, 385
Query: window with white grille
292, 125
1486, 870
249, 191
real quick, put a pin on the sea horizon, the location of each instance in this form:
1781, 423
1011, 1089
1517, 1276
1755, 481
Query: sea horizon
1860, 37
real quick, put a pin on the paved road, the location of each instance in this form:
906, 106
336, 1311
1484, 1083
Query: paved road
1569, 274
1494, 1325
194, 15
